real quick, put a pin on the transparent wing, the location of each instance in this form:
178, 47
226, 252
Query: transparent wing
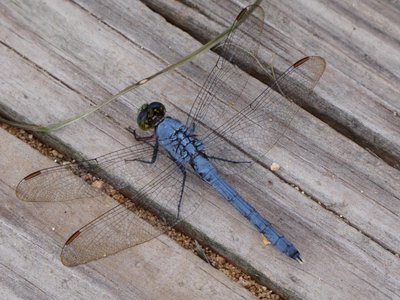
232, 122
257, 127
61, 183
156, 190
240, 48
120, 228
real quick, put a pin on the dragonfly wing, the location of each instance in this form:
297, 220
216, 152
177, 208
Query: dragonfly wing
63, 183
121, 228
255, 129
54, 184
157, 191
240, 47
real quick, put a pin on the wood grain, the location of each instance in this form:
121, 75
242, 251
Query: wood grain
359, 39
62, 56
32, 235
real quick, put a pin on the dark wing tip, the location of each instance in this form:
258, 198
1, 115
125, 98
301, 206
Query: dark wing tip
73, 237
32, 175
68, 255
19, 191
301, 61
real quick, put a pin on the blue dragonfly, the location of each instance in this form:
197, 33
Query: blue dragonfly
225, 133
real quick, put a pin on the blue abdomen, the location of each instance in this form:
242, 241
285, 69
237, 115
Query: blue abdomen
209, 174
183, 147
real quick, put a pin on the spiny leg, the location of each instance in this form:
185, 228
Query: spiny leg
183, 170
153, 156
144, 139
138, 137
228, 160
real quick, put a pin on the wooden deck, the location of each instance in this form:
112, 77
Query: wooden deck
32, 235
59, 57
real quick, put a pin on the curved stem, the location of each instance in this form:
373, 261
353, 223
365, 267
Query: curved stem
190, 57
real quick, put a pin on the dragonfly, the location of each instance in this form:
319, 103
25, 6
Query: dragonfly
225, 133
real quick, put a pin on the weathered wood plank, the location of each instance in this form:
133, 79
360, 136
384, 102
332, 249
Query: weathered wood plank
342, 262
337, 161
359, 40
32, 234
125, 22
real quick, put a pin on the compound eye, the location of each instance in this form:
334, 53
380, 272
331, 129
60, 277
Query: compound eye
150, 115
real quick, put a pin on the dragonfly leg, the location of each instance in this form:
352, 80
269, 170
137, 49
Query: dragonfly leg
138, 137
183, 170
153, 157
192, 128
228, 160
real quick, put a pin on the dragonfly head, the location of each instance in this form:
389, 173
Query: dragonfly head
150, 115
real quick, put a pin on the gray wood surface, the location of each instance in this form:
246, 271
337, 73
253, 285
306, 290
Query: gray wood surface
359, 39
58, 57
31, 236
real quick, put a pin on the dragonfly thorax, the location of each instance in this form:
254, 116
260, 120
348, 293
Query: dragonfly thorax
178, 140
